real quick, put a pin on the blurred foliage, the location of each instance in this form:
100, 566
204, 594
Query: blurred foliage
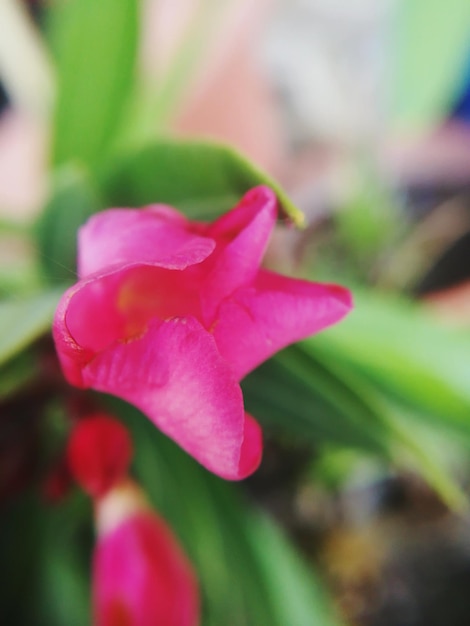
383, 384
202, 179
72, 201
248, 572
431, 43
427, 369
22, 320
94, 45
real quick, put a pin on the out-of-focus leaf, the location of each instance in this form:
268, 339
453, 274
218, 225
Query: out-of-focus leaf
316, 395
73, 200
295, 393
230, 544
95, 46
22, 320
370, 219
47, 550
295, 599
16, 373
406, 354
19, 546
200, 178
62, 584
430, 45
18, 270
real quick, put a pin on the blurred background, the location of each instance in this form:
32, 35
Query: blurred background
360, 110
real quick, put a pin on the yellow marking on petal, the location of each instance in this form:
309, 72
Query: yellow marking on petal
138, 304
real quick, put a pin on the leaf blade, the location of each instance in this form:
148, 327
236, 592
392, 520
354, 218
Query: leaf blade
202, 179
427, 72
23, 320
95, 45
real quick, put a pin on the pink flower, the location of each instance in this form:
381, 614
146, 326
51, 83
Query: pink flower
141, 577
170, 314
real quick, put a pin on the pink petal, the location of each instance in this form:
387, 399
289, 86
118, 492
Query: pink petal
252, 447
276, 311
175, 375
96, 312
72, 356
142, 577
242, 236
158, 235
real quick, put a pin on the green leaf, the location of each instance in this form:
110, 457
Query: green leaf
17, 373
316, 395
200, 178
18, 269
294, 392
419, 371
73, 200
398, 347
296, 595
19, 546
95, 43
23, 320
61, 590
370, 219
232, 546
430, 45
47, 549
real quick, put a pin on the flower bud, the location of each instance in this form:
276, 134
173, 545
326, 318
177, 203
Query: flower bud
141, 576
99, 453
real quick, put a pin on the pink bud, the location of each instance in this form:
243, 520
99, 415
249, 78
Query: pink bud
141, 576
99, 452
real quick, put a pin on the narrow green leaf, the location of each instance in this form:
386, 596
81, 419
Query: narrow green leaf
19, 273
430, 45
19, 547
16, 373
297, 597
73, 200
296, 393
95, 45
318, 396
61, 590
200, 178
23, 320
370, 218
421, 457
405, 353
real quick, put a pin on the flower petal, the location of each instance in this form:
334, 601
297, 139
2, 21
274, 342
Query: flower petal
72, 356
276, 311
252, 447
98, 311
142, 577
157, 235
242, 236
175, 375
